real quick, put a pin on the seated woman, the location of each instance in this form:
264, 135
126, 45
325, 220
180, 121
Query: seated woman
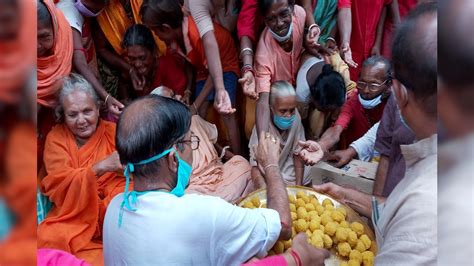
149, 71
81, 165
286, 125
230, 180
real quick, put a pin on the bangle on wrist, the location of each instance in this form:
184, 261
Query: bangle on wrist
246, 68
245, 51
312, 26
296, 257
106, 98
270, 165
223, 151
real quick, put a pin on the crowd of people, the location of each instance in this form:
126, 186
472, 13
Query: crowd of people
155, 117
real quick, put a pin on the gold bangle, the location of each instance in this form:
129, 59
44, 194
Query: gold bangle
106, 98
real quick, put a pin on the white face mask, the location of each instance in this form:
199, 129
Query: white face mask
370, 104
279, 38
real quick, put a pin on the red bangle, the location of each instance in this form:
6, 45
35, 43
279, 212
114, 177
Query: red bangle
246, 68
296, 257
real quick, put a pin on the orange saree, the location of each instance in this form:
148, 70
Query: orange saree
114, 21
19, 247
79, 198
51, 69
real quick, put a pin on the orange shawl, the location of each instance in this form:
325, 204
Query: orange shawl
19, 248
51, 69
114, 22
18, 55
80, 198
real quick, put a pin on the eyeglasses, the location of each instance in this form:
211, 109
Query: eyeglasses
283, 15
193, 141
373, 87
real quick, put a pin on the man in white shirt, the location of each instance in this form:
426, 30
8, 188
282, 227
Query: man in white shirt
405, 223
456, 113
157, 224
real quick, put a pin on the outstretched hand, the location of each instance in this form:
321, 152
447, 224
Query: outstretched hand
310, 152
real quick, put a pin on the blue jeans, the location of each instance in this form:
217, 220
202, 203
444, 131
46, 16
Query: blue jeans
230, 84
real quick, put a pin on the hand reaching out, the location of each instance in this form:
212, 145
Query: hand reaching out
311, 152
248, 85
342, 157
222, 102
347, 55
114, 106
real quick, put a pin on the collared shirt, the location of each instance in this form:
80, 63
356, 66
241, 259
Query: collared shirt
406, 230
391, 134
188, 230
364, 146
456, 202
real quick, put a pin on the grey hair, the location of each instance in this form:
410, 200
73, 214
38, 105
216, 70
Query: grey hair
74, 82
279, 89
377, 59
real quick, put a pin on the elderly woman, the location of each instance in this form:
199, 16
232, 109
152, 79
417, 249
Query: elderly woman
287, 127
81, 165
147, 225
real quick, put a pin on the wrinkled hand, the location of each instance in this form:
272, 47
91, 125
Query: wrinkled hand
333, 190
375, 50
342, 157
347, 55
309, 255
114, 106
222, 102
248, 85
268, 150
138, 81
109, 164
311, 152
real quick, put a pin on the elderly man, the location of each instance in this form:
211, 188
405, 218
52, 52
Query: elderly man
405, 223
157, 223
364, 108
456, 112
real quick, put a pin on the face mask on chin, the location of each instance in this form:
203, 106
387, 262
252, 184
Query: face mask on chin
370, 104
84, 10
285, 38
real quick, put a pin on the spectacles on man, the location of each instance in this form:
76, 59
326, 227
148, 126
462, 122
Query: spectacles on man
193, 141
373, 87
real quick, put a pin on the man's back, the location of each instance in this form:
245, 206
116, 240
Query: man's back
193, 229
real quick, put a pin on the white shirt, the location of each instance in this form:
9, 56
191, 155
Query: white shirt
364, 146
406, 231
303, 94
188, 230
456, 202
73, 16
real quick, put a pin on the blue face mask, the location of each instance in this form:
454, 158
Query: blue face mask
183, 175
282, 122
370, 104
403, 120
